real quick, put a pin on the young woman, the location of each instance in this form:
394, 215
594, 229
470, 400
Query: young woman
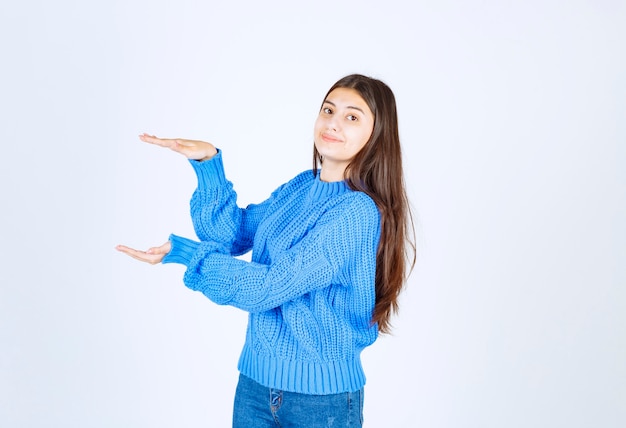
330, 253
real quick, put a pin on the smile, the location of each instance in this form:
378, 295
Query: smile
330, 139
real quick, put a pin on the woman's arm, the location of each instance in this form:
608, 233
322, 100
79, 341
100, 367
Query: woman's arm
340, 249
214, 211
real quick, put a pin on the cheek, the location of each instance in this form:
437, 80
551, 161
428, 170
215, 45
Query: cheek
318, 125
368, 134
363, 137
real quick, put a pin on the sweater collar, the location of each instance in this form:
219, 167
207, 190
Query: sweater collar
322, 189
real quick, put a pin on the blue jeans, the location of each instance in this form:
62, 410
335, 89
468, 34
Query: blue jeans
257, 406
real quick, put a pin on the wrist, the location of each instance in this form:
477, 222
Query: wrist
211, 153
181, 250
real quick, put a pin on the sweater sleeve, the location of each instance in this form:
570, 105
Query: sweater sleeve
182, 250
340, 249
214, 211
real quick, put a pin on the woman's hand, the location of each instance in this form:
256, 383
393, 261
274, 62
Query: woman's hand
191, 149
153, 255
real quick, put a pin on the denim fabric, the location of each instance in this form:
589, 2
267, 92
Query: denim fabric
257, 406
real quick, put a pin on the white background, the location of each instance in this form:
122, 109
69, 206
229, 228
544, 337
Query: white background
512, 120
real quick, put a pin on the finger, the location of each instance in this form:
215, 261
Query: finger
151, 139
148, 138
198, 150
161, 250
123, 248
129, 251
187, 149
175, 144
139, 255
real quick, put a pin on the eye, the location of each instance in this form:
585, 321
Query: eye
352, 118
327, 110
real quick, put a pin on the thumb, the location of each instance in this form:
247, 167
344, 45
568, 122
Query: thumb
163, 249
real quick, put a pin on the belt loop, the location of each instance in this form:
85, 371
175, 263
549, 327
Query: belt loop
276, 399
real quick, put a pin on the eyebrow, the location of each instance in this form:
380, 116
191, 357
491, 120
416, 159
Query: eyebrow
352, 107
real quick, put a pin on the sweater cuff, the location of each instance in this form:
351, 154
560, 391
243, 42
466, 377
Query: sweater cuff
182, 250
210, 172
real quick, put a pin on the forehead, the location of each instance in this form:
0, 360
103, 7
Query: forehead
347, 97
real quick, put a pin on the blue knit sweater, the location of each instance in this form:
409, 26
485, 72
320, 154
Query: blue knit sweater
309, 288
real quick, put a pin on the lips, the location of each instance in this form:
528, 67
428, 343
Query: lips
329, 138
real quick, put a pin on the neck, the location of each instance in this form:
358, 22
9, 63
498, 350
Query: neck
331, 172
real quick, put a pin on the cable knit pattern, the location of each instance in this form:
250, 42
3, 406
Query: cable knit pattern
309, 288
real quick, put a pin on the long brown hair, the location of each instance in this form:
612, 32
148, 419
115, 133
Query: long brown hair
377, 171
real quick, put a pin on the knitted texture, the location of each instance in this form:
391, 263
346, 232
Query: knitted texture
309, 288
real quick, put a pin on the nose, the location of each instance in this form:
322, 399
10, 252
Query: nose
333, 124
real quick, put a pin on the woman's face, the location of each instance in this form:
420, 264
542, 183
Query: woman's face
344, 125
